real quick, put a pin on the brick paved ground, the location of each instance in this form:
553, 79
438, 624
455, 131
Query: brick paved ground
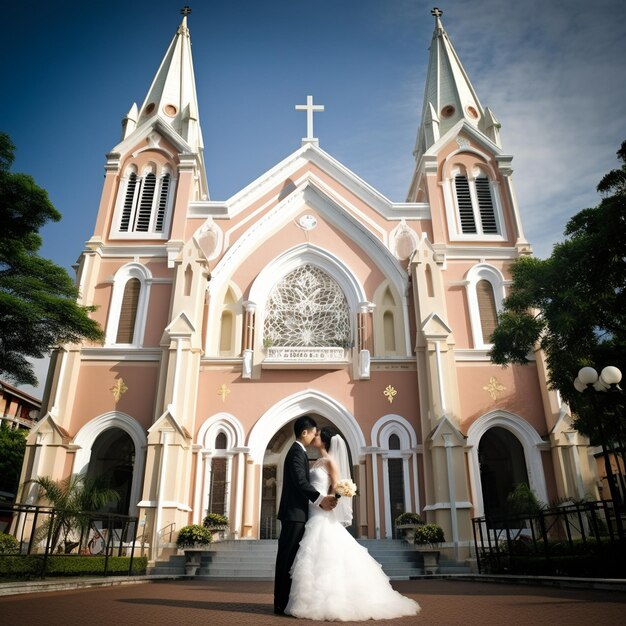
180, 603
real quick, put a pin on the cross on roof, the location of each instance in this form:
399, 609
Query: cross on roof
186, 10
310, 108
436, 12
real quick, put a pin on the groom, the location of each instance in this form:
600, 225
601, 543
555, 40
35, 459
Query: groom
294, 507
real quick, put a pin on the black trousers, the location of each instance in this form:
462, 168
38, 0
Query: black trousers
288, 543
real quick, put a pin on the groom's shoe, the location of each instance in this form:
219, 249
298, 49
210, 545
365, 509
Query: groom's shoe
278, 611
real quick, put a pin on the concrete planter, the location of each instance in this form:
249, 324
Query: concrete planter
193, 557
431, 559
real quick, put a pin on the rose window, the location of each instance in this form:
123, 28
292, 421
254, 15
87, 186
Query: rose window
307, 308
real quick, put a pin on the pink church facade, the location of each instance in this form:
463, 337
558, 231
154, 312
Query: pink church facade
306, 292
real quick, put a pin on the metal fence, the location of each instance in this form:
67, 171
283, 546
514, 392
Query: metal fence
44, 532
583, 539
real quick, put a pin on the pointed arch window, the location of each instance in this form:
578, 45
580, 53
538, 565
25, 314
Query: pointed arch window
486, 308
388, 326
129, 306
144, 203
485, 293
128, 312
230, 325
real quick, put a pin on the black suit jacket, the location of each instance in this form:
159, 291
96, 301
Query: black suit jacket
297, 490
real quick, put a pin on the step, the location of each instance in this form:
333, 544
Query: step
255, 560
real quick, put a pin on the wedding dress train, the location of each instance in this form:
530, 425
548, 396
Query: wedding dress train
334, 577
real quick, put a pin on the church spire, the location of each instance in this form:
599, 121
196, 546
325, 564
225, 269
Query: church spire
172, 95
449, 95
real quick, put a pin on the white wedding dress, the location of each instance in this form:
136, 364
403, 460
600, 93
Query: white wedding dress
334, 577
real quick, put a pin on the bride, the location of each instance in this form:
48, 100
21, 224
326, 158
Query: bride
333, 576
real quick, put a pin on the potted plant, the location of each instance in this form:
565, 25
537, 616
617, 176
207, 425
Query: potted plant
193, 539
427, 538
217, 524
406, 523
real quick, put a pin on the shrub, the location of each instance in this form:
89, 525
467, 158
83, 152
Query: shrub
9, 544
193, 535
429, 533
409, 518
27, 566
215, 520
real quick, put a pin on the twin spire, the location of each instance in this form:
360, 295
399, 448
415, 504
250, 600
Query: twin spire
172, 95
449, 95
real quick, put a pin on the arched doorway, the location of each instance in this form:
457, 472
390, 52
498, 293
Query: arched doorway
502, 467
271, 483
113, 458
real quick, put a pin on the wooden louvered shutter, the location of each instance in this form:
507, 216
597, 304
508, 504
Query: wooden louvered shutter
162, 206
485, 205
144, 213
129, 200
464, 201
487, 309
128, 313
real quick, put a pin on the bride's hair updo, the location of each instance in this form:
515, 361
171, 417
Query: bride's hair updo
326, 434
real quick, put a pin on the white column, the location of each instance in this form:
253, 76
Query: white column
227, 490
416, 484
239, 502
206, 487
407, 482
447, 438
442, 397
197, 496
386, 497
376, 497
248, 520
162, 475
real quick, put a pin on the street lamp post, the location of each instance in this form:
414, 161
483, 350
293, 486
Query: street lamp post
590, 383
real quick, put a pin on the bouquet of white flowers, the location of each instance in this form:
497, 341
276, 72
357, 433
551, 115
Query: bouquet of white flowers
345, 487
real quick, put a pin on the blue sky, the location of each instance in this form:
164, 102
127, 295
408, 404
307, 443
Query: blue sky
553, 73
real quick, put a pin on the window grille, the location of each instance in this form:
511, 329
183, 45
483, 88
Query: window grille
307, 308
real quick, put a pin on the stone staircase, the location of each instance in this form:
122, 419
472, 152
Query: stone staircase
255, 560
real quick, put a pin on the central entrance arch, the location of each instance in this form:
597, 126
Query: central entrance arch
272, 436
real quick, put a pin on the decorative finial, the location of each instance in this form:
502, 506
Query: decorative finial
185, 11
310, 108
436, 12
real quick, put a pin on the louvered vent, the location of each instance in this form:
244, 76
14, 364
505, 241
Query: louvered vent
485, 205
464, 200
145, 205
128, 202
165, 188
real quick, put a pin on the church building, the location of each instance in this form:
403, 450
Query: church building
307, 292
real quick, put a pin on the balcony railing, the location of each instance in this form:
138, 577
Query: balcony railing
308, 355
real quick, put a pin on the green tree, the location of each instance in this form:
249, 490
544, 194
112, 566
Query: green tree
572, 305
73, 498
38, 308
12, 447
